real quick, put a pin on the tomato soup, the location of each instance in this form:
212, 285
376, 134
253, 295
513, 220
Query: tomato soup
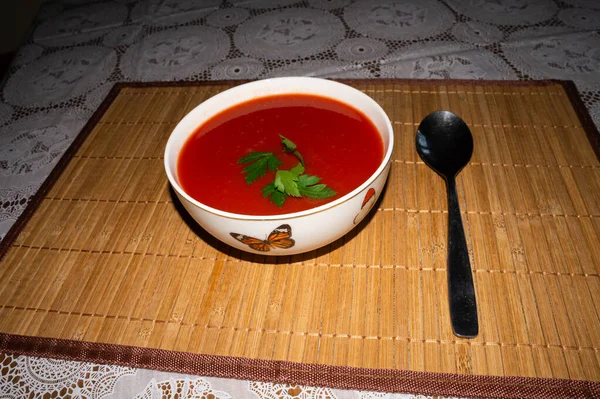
339, 144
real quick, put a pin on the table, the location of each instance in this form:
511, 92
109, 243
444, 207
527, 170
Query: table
76, 52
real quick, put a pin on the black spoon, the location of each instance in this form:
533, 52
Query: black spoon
445, 144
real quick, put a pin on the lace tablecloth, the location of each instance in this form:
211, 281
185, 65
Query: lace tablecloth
78, 49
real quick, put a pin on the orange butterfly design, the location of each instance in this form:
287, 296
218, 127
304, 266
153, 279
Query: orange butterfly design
368, 200
279, 238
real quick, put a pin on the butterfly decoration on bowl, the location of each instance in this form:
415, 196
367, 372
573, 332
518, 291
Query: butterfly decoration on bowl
279, 238
367, 205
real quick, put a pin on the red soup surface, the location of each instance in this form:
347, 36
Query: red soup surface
338, 143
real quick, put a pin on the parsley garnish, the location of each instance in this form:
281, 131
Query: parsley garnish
276, 196
289, 146
261, 161
286, 181
307, 185
291, 182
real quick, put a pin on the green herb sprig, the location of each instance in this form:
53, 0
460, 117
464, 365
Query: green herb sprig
289, 146
260, 161
293, 182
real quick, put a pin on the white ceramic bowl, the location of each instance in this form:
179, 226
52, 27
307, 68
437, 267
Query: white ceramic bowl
309, 229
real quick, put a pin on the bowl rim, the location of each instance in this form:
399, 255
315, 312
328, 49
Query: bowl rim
286, 216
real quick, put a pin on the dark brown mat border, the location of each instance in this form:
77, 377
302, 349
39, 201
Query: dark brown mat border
339, 377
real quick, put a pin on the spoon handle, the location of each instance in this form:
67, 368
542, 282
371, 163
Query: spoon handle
461, 293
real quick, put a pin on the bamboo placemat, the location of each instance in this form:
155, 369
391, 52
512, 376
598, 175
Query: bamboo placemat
109, 268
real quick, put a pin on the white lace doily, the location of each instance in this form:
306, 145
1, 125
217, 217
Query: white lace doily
506, 12
594, 110
281, 391
80, 24
477, 32
37, 378
265, 4
14, 202
6, 113
550, 53
289, 33
442, 61
178, 53
60, 76
172, 12
32, 145
79, 48
327, 69
361, 49
394, 20
581, 18
228, 17
237, 68
197, 388
583, 3
123, 36
95, 97
329, 4
27, 53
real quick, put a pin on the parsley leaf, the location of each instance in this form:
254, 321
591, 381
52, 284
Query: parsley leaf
275, 196
298, 169
289, 146
286, 182
308, 187
273, 163
259, 162
253, 156
308, 180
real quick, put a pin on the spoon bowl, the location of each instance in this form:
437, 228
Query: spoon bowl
445, 144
